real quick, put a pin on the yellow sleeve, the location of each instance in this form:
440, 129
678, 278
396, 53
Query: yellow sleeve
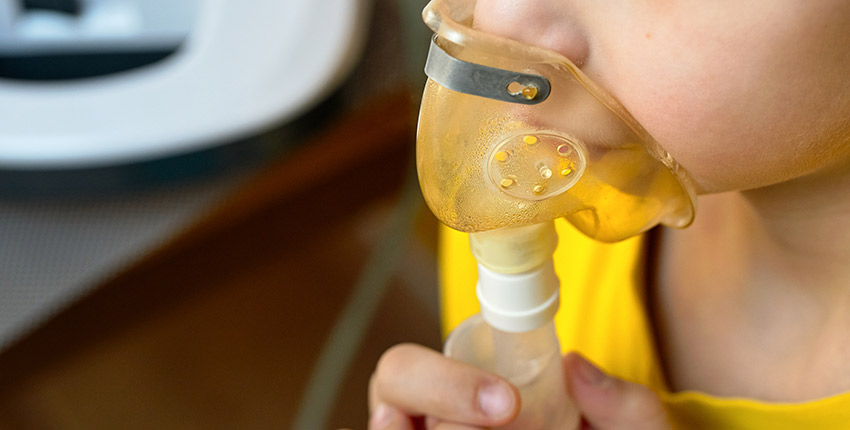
458, 273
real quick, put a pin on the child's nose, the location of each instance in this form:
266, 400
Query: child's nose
544, 23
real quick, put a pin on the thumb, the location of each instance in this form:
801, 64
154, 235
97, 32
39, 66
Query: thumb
608, 403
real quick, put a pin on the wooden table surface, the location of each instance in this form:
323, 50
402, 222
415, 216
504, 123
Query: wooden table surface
220, 327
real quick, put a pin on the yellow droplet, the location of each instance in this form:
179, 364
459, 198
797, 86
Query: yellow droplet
564, 150
538, 189
506, 182
501, 156
530, 140
529, 93
545, 172
566, 171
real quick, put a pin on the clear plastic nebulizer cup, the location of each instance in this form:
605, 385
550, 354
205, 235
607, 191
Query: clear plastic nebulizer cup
530, 360
510, 138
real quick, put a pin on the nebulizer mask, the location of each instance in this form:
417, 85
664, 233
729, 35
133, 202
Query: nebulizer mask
510, 138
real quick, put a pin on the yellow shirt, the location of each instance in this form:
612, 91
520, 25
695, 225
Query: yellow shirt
603, 317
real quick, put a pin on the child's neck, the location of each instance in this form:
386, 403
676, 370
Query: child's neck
806, 220
757, 293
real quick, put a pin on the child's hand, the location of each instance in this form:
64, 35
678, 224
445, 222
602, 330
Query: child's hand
608, 403
416, 388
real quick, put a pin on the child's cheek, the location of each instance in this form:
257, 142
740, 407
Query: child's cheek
710, 112
740, 102
685, 103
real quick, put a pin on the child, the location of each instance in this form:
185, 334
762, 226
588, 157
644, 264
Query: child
741, 321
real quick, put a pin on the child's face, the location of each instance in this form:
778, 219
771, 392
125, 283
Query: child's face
742, 93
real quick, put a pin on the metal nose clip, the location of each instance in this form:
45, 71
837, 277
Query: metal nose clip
477, 80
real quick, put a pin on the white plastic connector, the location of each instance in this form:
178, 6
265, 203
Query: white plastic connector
519, 302
515, 249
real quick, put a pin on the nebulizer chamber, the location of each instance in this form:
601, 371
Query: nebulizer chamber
510, 138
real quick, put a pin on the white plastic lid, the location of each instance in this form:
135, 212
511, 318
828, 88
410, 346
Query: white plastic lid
519, 302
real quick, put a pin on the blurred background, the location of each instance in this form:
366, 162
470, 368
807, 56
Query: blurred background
209, 214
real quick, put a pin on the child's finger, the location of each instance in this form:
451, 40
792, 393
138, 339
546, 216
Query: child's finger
386, 417
608, 403
420, 381
452, 426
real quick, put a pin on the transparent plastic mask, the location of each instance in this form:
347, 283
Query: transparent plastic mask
512, 135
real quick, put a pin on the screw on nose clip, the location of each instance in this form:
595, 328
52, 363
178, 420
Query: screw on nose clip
515, 89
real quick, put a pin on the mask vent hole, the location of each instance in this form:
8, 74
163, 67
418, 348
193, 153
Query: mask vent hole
536, 165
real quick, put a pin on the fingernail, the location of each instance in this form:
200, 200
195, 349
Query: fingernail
589, 373
495, 400
381, 418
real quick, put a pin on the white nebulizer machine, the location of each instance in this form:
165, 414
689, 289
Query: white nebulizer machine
510, 138
90, 83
